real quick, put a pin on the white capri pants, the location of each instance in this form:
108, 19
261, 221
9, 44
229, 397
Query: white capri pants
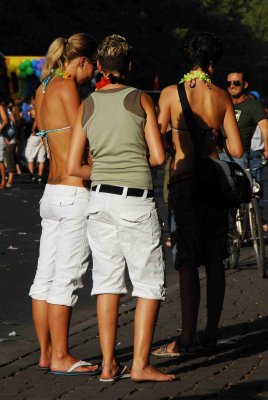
64, 251
125, 231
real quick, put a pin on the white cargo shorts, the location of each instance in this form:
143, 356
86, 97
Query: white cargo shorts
125, 231
35, 149
64, 251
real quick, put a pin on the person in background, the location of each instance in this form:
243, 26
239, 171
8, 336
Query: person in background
3, 123
257, 162
64, 250
201, 230
35, 152
123, 225
249, 114
10, 136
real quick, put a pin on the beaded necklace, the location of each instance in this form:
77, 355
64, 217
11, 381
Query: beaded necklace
53, 73
192, 76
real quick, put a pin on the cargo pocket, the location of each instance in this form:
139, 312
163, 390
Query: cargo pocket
62, 200
136, 227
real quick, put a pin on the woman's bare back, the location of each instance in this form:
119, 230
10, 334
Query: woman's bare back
57, 108
208, 103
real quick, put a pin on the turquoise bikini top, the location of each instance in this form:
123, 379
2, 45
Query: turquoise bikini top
43, 133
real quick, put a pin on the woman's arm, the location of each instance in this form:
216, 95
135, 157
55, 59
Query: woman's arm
75, 162
4, 118
233, 138
164, 117
152, 134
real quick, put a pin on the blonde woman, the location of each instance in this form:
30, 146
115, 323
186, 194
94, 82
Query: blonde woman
64, 250
123, 228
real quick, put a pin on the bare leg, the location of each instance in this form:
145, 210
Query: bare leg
3, 174
59, 321
215, 297
40, 312
107, 311
41, 167
144, 325
31, 167
18, 169
10, 178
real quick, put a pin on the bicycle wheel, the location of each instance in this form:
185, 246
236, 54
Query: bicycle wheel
257, 236
233, 247
242, 222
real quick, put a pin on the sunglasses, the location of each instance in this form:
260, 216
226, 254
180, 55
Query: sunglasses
235, 83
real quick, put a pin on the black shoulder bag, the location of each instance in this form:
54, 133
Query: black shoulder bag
217, 183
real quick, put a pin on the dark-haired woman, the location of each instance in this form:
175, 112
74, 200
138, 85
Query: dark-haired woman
201, 230
123, 228
64, 250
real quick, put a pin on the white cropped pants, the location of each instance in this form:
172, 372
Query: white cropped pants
64, 250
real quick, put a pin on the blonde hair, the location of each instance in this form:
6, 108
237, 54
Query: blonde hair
64, 50
114, 53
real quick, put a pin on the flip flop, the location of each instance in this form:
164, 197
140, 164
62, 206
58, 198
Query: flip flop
42, 368
162, 351
123, 373
71, 371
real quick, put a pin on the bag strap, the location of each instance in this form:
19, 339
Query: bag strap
190, 121
226, 150
189, 117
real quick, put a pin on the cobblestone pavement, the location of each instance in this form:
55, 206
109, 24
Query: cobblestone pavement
239, 369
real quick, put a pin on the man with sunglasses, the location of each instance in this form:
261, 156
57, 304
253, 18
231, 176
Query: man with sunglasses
249, 114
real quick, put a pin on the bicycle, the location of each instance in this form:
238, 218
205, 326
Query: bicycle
247, 228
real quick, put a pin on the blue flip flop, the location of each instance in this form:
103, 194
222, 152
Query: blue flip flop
71, 371
42, 368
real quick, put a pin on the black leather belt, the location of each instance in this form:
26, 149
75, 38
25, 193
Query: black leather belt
119, 190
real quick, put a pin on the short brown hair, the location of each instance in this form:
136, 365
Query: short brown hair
114, 53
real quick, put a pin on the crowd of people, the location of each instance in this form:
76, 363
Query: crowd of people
99, 198
20, 149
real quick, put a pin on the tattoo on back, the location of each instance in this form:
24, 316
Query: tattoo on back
55, 181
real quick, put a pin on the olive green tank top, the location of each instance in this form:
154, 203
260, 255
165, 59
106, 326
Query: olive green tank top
114, 123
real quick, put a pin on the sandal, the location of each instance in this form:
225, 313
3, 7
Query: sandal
162, 351
123, 372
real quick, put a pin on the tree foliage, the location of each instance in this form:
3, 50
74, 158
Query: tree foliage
155, 29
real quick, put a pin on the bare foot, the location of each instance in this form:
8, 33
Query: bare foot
45, 359
64, 364
150, 373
